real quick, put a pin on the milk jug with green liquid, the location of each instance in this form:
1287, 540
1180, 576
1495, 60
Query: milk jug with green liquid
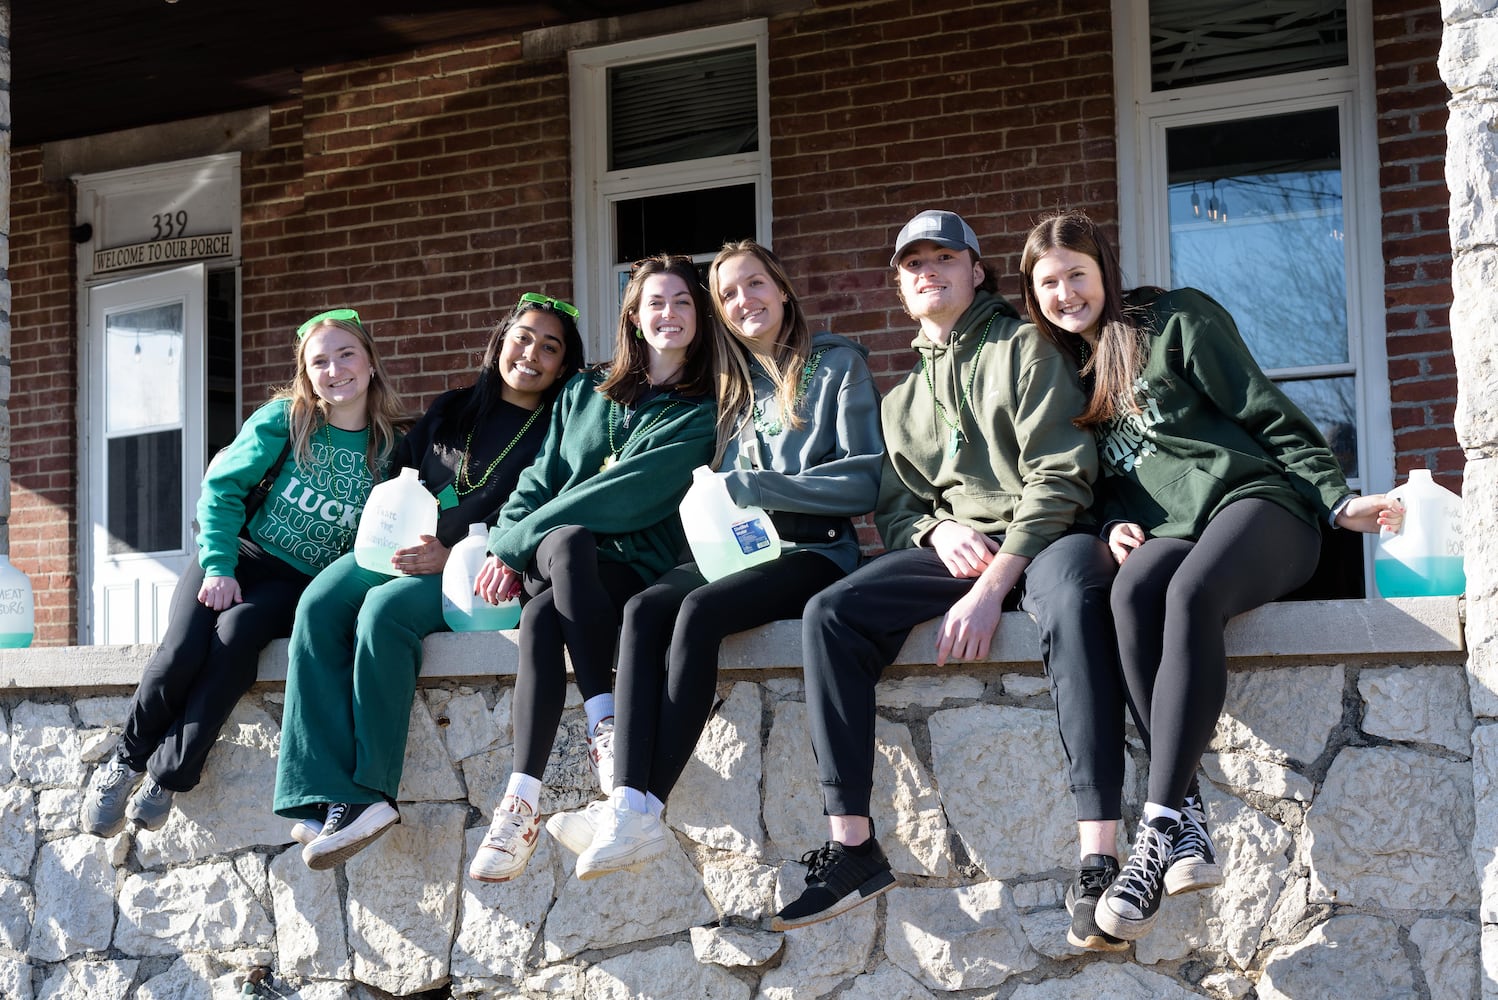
724, 537
1424, 559
462, 609
399, 511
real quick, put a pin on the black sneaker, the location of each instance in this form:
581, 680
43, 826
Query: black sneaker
1129, 906
1082, 894
837, 880
349, 828
1193, 859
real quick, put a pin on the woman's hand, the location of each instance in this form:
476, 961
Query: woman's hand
1123, 538
964, 551
496, 582
219, 593
1370, 513
419, 560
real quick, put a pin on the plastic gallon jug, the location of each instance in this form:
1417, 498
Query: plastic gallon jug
17, 612
398, 513
724, 538
1425, 558
462, 609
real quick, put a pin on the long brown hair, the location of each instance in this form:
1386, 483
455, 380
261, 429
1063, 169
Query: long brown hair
791, 348
309, 413
1120, 354
705, 370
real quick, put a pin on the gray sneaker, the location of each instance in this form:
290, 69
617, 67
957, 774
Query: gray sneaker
104, 805
150, 805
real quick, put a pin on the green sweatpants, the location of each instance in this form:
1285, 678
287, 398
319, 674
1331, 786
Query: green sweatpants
353, 659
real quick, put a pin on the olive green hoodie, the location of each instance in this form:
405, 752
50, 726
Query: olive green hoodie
1020, 469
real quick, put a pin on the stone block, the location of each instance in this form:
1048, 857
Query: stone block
1285, 716
987, 758
888, 982
1356, 955
1445, 944
642, 975
820, 957
403, 899
1417, 704
499, 922
1368, 847
17, 909
206, 907
311, 932
89, 980
1112, 980
18, 829
735, 946
74, 888
716, 801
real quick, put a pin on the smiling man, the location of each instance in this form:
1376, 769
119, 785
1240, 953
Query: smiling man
985, 482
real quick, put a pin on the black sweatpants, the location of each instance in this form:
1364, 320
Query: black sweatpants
1171, 603
573, 601
206, 661
668, 656
855, 628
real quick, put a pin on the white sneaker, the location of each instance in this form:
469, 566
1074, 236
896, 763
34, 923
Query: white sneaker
601, 754
305, 831
626, 840
574, 830
509, 844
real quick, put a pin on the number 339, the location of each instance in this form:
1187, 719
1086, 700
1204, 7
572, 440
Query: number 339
169, 224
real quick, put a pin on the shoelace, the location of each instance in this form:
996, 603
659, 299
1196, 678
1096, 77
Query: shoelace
603, 741
114, 772
509, 824
1141, 877
1095, 878
1191, 839
817, 862
335, 816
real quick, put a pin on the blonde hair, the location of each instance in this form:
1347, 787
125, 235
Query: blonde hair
308, 413
789, 352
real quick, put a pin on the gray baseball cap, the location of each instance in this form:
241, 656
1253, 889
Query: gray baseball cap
942, 228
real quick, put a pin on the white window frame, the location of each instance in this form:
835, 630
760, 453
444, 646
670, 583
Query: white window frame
595, 188
1144, 224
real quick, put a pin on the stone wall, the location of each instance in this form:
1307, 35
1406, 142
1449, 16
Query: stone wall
1341, 788
1469, 66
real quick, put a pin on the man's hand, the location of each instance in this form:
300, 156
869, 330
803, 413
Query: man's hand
965, 553
968, 627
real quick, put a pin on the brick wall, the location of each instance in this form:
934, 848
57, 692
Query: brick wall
997, 111
428, 192
43, 397
1417, 243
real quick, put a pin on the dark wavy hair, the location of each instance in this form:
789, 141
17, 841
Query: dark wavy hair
489, 385
1120, 355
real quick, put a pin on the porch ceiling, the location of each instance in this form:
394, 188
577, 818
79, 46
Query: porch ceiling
82, 67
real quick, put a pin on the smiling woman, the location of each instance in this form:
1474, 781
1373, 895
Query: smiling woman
359, 631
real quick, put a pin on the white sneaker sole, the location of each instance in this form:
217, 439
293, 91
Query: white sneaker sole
1192, 876
1122, 927
591, 865
332, 851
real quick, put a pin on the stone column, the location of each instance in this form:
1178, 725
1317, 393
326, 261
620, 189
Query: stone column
4, 277
1469, 65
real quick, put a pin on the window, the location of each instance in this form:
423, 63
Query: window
1249, 170
669, 154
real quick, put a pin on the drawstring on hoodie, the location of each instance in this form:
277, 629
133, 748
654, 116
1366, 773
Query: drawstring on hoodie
964, 398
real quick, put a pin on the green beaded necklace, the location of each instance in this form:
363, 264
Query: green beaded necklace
613, 455
463, 483
771, 428
964, 397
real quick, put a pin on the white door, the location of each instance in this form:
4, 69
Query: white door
143, 448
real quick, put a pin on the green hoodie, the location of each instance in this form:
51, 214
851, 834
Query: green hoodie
1021, 469
309, 517
1211, 429
631, 505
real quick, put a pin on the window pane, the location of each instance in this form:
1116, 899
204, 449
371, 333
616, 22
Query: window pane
1331, 406
685, 108
1256, 222
1209, 41
143, 358
684, 222
220, 363
145, 493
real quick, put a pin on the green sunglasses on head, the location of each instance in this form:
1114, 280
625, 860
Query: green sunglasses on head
323, 317
536, 298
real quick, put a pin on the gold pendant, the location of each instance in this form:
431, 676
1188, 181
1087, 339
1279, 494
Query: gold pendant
608, 462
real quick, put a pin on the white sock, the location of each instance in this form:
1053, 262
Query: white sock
526, 789
598, 707
630, 798
656, 806
1154, 810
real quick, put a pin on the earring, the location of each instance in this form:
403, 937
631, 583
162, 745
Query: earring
639, 334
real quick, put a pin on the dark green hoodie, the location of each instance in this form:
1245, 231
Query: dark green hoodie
1211, 429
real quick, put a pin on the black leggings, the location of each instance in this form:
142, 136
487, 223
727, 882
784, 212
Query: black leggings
207, 660
668, 656
1171, 603
573, 601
